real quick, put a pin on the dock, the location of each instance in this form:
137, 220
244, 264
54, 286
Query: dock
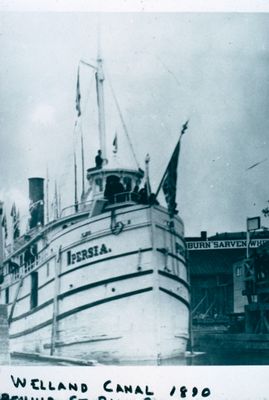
208, 341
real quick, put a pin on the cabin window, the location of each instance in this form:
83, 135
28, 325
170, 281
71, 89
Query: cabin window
127, 183
99, 184
113, 188
34, 252
30, 254
34, 290
7, 295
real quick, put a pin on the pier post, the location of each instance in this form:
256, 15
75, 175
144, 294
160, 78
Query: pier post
4, 336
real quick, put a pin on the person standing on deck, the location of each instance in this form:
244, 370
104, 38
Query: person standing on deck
99, 160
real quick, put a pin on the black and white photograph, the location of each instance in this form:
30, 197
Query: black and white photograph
134, 200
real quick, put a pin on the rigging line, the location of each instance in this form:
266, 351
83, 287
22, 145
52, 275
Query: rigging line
122, 120
169, 71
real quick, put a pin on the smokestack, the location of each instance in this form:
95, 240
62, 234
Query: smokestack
36, 196
204, 235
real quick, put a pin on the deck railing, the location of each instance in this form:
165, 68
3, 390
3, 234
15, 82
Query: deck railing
125, 197
74, 208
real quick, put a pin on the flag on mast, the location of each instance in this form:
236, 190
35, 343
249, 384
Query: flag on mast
15, 221
184, 127
17, 225
4, 225
169, 185
115, 144
78, 96
169, 180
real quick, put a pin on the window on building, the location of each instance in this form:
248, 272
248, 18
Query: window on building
48, 269
7, 295
34, 290
238, 271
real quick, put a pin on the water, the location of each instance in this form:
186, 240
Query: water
20, 361
222, 358
212, 358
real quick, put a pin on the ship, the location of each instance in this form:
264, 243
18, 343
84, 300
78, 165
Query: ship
107, 278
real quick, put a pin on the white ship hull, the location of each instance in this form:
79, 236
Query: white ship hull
115, 297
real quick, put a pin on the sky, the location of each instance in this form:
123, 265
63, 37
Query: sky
165, 68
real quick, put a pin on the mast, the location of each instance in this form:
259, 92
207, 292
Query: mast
147, 160
99, 76
56, 208
76, 183
1, 234
82, 167
47, 196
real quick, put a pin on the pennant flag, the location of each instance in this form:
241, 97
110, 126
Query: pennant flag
13, 210
184, 127
115, 144
4, 225
16, 226
78, 97
16, 221
169, 185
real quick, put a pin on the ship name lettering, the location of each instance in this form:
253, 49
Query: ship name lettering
85, 254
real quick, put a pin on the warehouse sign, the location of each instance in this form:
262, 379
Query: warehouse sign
224, 244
